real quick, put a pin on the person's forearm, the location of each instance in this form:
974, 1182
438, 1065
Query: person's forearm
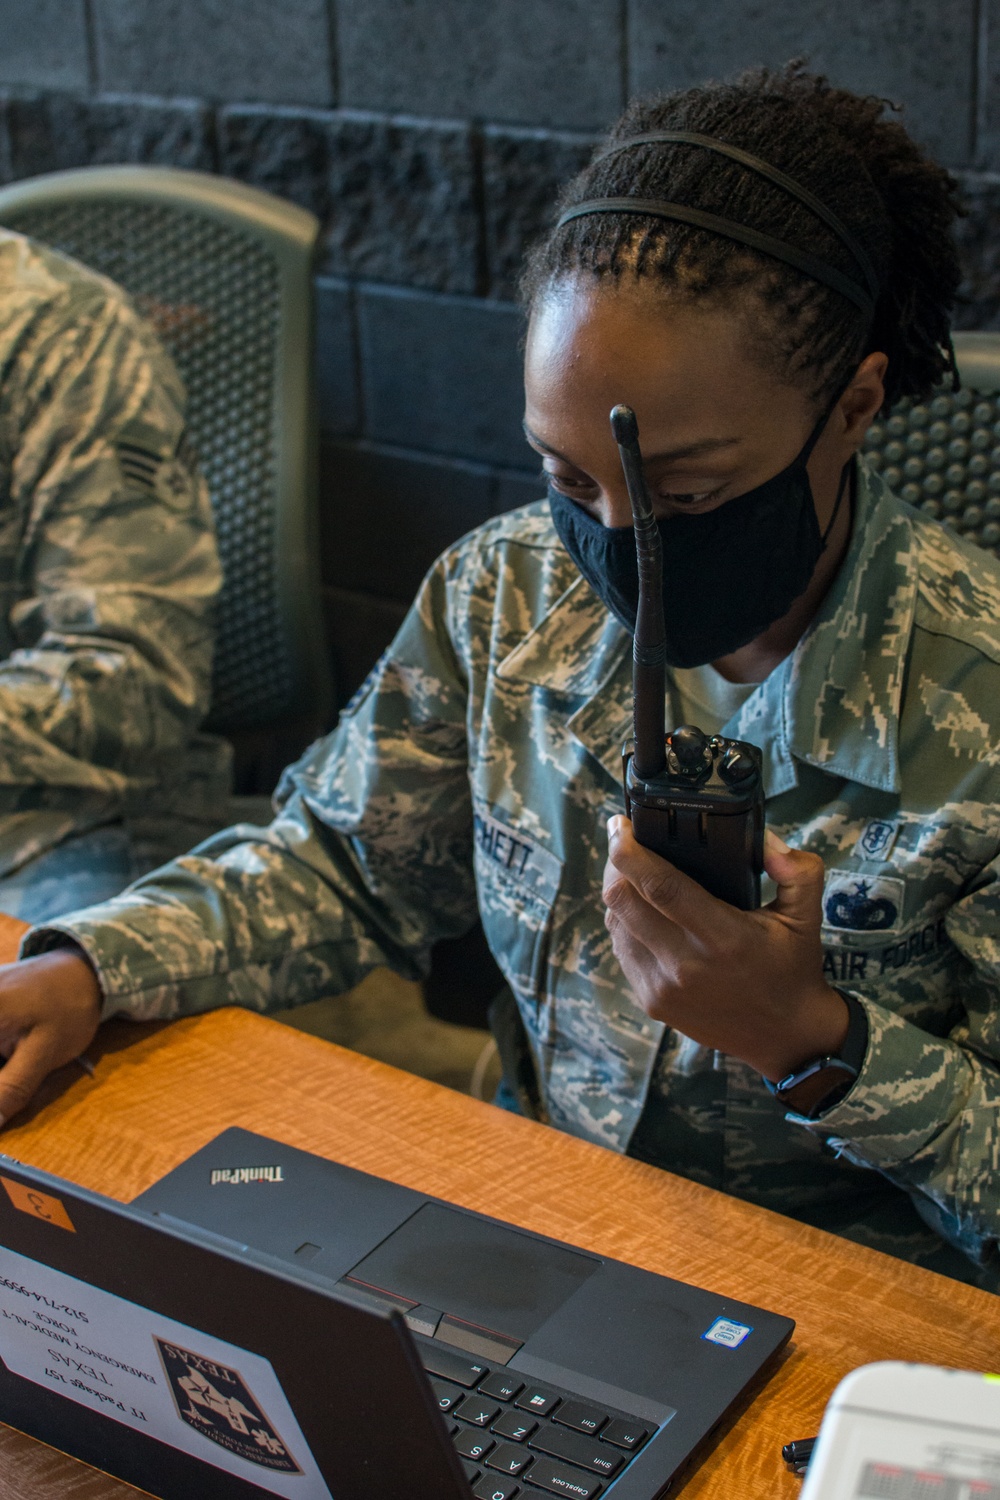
94, 715
925, 1111
260, 923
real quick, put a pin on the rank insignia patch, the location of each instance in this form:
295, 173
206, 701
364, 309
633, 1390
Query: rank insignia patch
858, 903
147, 465
217, 1402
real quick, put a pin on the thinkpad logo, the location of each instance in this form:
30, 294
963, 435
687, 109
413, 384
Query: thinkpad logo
239, 1175
217, 1402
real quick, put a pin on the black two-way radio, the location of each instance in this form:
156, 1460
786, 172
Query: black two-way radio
697, 801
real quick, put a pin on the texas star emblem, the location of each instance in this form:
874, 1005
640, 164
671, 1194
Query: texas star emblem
217, 1402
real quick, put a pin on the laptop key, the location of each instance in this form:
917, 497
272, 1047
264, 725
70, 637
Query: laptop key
510, 1425
471, 1471
509, 1460
475, 1409
625, 1434
538, 1400
472, 1444
453, 1367
446, 1395
502, 1385
495, 1487
583, 1418
559, 1442
560, 1480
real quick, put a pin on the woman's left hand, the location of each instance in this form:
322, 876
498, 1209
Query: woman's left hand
749, 983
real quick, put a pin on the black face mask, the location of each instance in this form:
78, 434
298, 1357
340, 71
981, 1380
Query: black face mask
727, 574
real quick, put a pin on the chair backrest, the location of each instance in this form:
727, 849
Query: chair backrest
943, 455
224, 272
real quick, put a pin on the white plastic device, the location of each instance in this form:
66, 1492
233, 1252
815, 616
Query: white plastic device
895, 1431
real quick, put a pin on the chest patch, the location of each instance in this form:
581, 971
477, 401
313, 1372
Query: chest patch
862, 903
877, 838
517, 855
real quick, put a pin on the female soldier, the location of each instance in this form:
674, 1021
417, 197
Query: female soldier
757, 269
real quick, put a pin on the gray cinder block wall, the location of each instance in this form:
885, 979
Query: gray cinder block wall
429, 136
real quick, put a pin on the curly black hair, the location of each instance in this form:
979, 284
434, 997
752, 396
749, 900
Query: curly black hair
844, 148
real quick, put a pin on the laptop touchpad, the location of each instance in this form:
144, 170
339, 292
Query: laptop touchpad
476, 1270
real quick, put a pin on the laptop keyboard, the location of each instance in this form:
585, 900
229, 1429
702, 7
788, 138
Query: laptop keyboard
517, 1437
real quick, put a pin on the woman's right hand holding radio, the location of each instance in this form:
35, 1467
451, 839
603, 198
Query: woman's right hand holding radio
749, 983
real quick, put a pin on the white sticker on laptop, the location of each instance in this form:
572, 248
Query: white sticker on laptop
727, 1333
219, 1403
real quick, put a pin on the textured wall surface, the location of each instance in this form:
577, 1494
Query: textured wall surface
429, 137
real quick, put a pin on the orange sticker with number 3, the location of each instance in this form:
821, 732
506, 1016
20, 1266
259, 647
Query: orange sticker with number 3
39, 1205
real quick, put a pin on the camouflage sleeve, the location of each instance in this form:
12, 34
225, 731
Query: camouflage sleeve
925, 1111
369, 860
116, 571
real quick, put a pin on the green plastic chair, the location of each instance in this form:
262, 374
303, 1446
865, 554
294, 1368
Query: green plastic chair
224, 272
943, 455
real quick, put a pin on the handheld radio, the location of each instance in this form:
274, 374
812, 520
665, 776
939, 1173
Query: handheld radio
695, 800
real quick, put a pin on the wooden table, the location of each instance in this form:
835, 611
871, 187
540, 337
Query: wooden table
159, 1093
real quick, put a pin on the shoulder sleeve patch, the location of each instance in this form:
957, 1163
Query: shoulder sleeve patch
155, 461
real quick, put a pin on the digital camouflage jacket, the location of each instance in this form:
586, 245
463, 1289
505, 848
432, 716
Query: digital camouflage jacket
476, 770
108, 567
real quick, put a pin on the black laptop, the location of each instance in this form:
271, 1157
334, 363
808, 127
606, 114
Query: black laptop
264, 1322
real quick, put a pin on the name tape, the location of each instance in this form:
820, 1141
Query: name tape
519, 856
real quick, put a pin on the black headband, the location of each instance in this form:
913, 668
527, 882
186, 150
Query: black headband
819, 270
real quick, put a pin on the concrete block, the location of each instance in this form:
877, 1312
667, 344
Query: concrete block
6, 169
402, 202
919, 53
512, 488
44, 44
336, 359
359, 627
979, 246
987, 151
530, 62
387, 515
283, 151
522, 173
49, 133
397, 197
443, 374
214, 49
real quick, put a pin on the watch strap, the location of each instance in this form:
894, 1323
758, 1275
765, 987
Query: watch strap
855, 1046
817, 1086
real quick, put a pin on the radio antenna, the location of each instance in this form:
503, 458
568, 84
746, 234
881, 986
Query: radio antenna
649, 649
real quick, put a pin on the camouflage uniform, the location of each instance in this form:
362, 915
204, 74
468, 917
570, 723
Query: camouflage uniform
108, 574
477, 768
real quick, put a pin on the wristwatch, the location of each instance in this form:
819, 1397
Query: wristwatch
822, 1083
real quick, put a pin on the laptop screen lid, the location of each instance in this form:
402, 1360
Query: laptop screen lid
188, 1366
595, 1339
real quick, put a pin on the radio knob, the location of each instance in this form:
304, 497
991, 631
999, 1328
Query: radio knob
735, 766
690, 746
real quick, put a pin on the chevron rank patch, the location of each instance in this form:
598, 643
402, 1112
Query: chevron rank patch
146, 465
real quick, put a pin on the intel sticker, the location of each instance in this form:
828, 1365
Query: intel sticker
724, 1331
